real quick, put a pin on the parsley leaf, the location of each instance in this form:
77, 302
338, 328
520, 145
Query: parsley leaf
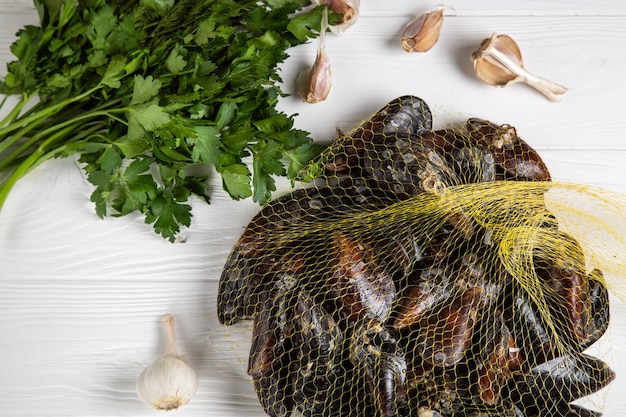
152, 94
167, 214
144, 89
146, 117
206, 145
237, 181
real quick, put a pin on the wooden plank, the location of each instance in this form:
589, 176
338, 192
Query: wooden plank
81, 297
369, 69
530, 8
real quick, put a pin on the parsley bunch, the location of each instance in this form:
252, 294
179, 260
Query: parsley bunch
149, 93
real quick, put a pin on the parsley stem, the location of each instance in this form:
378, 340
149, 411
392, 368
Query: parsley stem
40, 122
14, 140
45, 112
70, 146
14, 113
76, 142
30, 162
50, 130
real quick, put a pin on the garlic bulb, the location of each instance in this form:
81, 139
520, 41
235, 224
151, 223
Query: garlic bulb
422, 33
498, 61
169, 382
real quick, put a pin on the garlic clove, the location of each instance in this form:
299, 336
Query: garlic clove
169, 382
498, 61
320, 77
489, 71
421, 34
320, 81
347, 9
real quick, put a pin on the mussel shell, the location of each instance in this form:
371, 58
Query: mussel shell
600, 311
317, 370
497, 358
531, 334
270, 351
406, 115
559, 381
580, 300
363, 289
262, 244
392, 384
429, 288
444, 336
237, 288
406, 166
380, 364
473, 164
515, 159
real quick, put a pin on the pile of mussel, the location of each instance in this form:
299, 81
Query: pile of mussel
365, 306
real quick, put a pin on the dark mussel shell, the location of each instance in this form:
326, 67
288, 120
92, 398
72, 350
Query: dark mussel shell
391, 381
363, 289
561, 267
600, 312
406, 166
406, 115
593, 316
534, 339
497, 358
558, 382
443, 337
429, 288
270, 351
514, 158
380, 364
473, 164
243, 289
260, 247
317, 369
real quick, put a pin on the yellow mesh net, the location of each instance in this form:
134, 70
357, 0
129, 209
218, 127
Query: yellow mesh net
427, 273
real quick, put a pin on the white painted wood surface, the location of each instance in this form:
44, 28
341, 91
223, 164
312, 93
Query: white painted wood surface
81, 298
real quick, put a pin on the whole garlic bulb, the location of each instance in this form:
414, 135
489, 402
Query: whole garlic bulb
169, 382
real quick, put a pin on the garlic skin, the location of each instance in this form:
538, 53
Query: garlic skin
320, 76
498, 61
320, 83
347, 9
422, 33
169, 382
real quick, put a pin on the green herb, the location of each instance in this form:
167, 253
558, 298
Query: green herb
150, 93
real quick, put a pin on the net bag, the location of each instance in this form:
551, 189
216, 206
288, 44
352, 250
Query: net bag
424, 273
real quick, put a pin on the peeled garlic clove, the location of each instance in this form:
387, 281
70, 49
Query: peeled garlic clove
169, 382
498, 61
422, 33
320, 79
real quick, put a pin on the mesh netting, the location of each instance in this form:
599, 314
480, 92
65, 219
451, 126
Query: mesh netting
426, 273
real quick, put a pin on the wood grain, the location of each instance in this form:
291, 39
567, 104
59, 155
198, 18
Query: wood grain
81, 298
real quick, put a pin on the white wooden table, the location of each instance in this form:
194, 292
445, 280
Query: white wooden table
81, 298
